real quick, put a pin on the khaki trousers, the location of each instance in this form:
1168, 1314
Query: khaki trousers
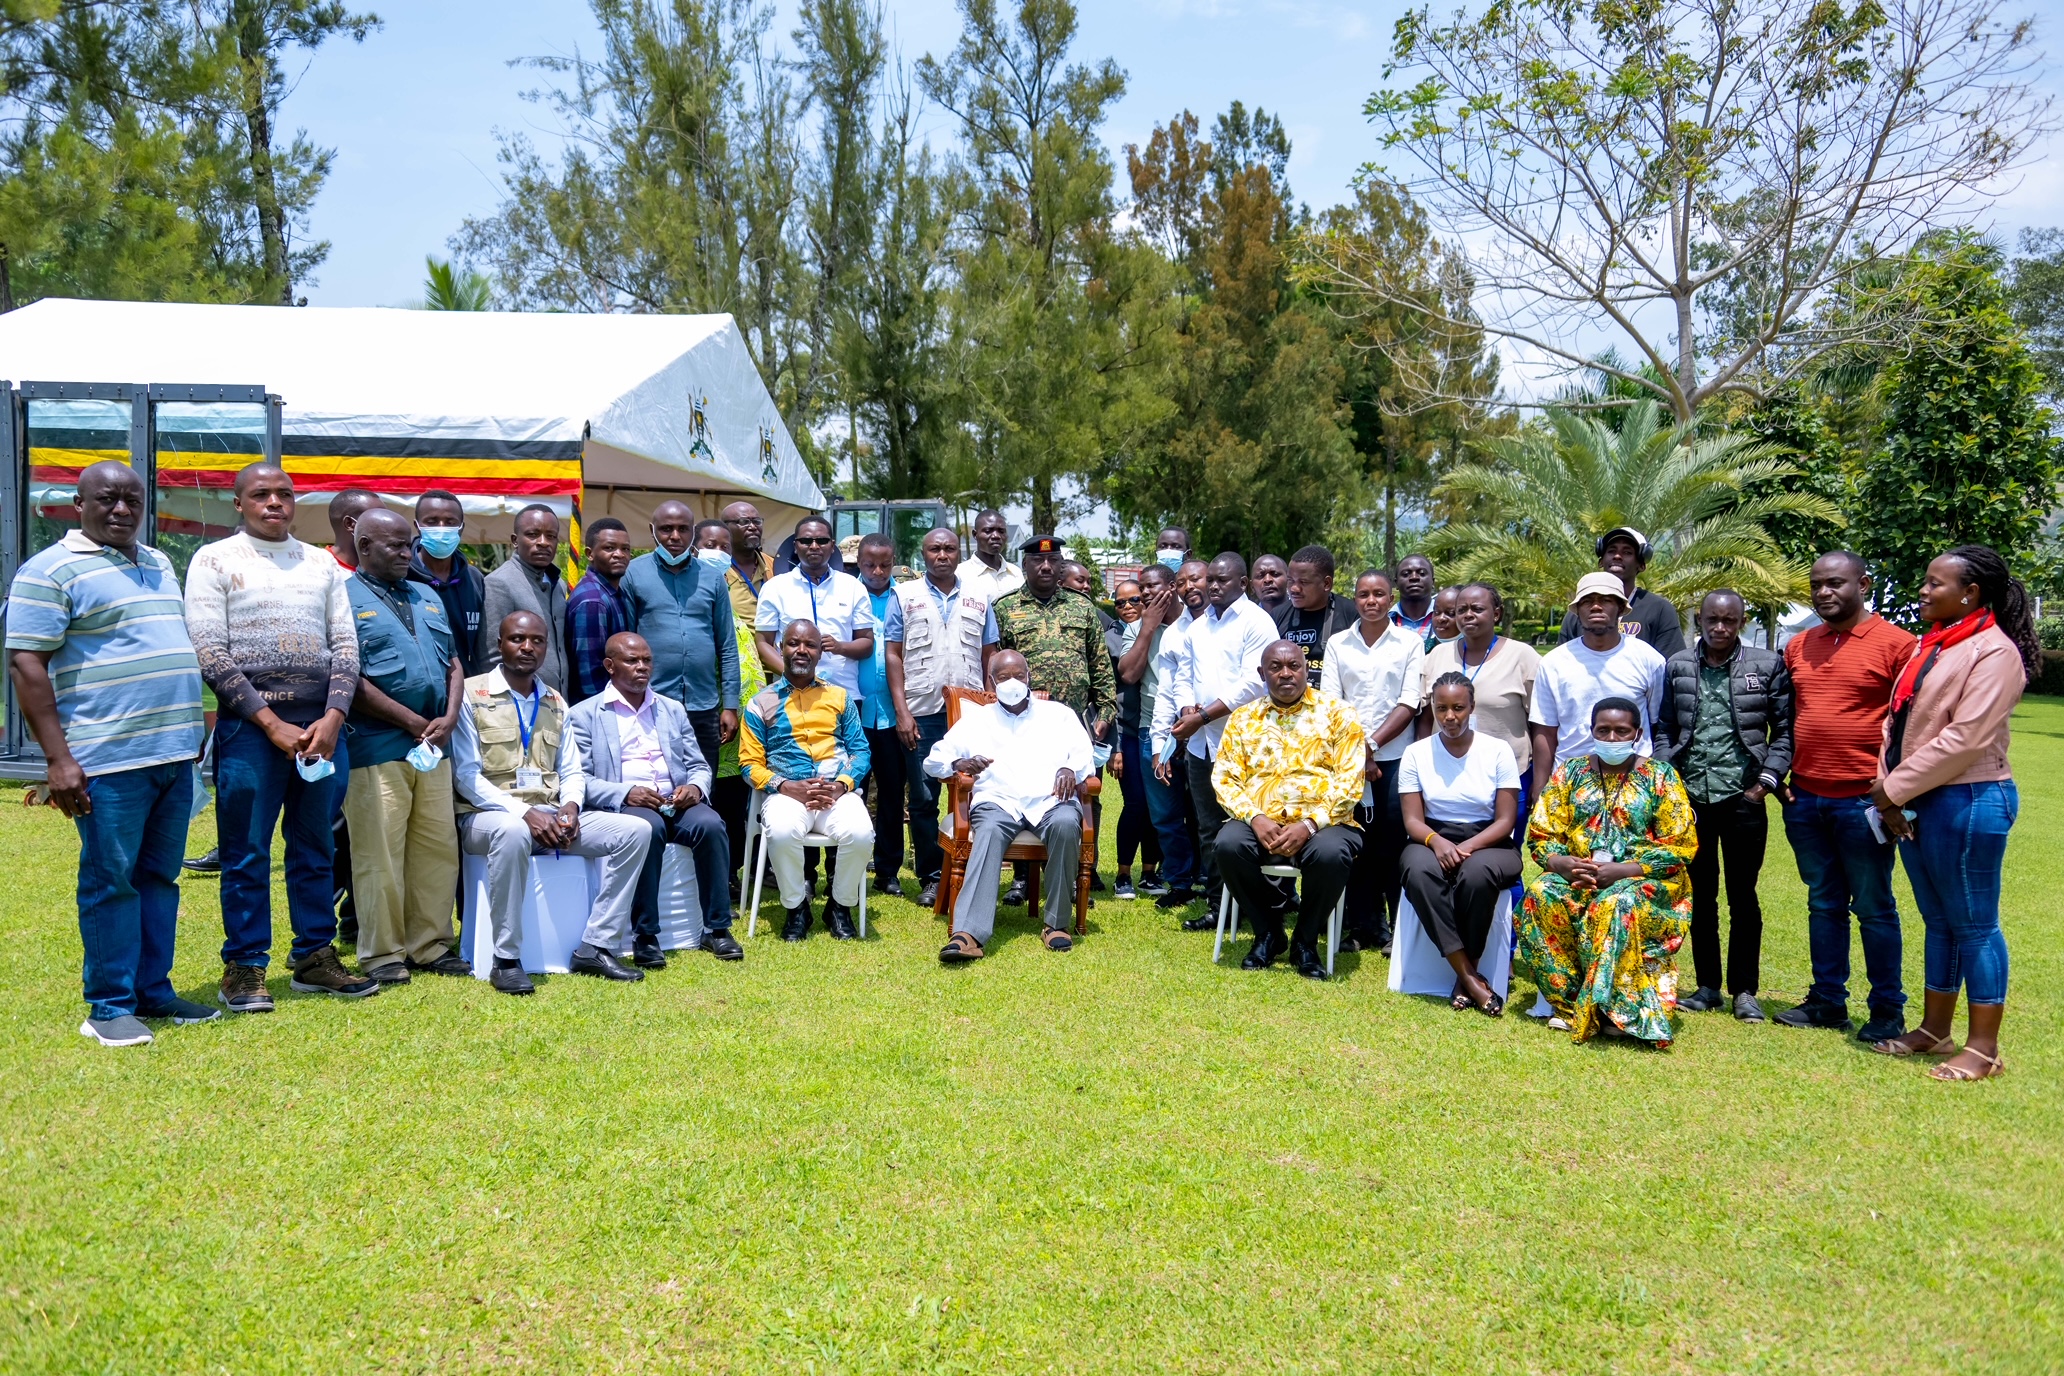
404, 861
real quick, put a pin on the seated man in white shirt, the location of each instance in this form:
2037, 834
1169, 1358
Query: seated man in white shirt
1026, 759
506, 759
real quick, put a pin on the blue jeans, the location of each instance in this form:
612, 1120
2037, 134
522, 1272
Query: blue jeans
129, 850
1954, 860
255, 782
1165, 808
1844, 866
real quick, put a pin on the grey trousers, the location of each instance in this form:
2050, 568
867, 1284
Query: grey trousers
992, 830
619, 842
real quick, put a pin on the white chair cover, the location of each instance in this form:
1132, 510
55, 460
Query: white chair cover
555, 914
680, 902
1418, 967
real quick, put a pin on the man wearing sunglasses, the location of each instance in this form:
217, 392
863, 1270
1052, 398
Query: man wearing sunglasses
836, 603
750, 569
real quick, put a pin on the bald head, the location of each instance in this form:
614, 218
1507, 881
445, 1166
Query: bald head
627, 659
383, 543
1284, 670
111, 501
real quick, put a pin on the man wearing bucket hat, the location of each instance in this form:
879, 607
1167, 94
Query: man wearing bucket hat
1624, 552
1602, 662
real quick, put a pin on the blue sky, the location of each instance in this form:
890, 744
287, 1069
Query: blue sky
413, 111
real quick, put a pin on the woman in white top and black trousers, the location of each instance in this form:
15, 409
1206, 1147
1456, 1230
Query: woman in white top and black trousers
1459, 792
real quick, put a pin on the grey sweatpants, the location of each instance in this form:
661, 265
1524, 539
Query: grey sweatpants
993, 829
619, 842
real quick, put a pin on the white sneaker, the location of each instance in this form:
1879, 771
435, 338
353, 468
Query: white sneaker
1558, 1025
122, 1031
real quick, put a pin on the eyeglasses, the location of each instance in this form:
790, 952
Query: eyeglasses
813, 540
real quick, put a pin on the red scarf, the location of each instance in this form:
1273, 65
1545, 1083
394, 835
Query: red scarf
1941, 637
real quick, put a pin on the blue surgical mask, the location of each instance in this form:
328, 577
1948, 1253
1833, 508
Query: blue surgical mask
424, 757
1170, 559
1614, 752
314, 768
713, 558
440, 542
1100, 752
672, 561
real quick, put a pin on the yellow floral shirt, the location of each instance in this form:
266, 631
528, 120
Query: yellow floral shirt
1302, 763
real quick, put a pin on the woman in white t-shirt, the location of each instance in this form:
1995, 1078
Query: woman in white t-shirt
1459, 791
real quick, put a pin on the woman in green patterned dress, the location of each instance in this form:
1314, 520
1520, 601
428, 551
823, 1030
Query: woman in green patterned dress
1599, 934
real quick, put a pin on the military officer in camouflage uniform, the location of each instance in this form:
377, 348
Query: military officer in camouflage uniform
1062, 639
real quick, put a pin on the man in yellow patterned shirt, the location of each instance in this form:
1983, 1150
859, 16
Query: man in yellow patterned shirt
1288, 774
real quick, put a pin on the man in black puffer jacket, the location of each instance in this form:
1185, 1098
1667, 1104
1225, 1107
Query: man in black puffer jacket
1726, 724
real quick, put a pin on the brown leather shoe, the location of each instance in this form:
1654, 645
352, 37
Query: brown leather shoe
320, 972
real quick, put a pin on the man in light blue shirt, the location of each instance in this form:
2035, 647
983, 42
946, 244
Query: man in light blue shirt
108, 682
877, 563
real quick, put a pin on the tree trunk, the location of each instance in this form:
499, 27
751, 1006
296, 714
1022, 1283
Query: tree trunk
254, 52
1389, 504
1042, 505
6, 282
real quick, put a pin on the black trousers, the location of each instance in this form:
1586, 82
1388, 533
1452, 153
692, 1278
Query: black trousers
1326, 861
1456, 909
1210, 817
1372, 897
1732, 835
701, 830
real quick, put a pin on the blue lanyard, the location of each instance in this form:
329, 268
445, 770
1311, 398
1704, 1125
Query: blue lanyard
1462, 658
524, 728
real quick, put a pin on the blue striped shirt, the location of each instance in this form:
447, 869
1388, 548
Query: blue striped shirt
127, 683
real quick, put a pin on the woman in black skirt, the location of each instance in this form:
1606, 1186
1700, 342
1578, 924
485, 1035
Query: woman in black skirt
1459, 791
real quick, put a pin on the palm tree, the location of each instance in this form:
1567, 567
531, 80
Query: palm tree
1527, 518
447, 288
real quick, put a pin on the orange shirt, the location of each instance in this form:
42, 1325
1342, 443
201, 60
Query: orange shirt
1843, 685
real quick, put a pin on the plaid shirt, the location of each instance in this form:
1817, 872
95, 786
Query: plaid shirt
594, 612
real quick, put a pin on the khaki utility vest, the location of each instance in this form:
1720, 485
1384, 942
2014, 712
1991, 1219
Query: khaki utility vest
937, 654
501, 741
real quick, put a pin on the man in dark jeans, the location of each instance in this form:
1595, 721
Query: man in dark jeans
1726, 724
1842, 673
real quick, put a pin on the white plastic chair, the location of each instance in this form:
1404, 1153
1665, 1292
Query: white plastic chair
752, 832
1229, 913
1418, 967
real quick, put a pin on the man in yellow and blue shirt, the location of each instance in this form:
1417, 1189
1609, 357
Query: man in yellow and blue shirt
1288, 774
803, 749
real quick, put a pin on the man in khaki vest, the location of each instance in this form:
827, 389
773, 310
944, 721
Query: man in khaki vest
505, 768
941, 634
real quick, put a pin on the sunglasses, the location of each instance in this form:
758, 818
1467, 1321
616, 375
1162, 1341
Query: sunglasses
1127, 601
813, 539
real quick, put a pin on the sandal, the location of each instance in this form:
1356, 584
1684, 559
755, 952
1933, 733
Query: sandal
1994, 1065
1460, 1001
960, 949
1495, 1008
1058, 940
1896, 1046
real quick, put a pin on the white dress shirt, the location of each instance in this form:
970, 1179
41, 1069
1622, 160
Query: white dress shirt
840, 605
1025, 750
1221, 662
988, 582
1166, 666
638, 751
1374, 679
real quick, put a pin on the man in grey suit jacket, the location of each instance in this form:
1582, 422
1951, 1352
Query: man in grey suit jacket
529, 583
631, 750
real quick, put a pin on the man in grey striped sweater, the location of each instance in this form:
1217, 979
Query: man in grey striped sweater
271, 624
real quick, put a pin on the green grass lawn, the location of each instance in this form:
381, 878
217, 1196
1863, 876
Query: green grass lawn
845, 1158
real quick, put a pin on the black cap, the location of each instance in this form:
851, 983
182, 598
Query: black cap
1041, 544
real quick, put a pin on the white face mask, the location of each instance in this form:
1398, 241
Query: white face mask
714, 558
1012, 691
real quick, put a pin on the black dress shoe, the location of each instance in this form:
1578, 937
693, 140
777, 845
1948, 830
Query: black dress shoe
1308, 962
723, 945
839, 922
1208, 922
510, 980
645, 953
593, 960
209, 863
1267, 948
1096, 882
450, 963
928, 896
798, 924
892, 886
1014, 896
394, 972
1176, 898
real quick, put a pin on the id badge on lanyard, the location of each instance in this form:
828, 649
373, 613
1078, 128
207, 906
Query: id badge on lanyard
527, 774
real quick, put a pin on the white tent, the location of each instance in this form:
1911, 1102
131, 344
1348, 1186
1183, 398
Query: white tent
618, 411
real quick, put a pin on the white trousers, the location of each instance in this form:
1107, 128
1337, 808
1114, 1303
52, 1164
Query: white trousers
845, 823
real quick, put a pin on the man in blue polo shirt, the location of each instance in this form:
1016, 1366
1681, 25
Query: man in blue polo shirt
404, 843
681, 606
107, 680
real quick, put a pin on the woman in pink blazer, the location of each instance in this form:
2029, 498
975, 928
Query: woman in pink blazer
1946, 791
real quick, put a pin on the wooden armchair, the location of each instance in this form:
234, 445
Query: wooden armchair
1026, 848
